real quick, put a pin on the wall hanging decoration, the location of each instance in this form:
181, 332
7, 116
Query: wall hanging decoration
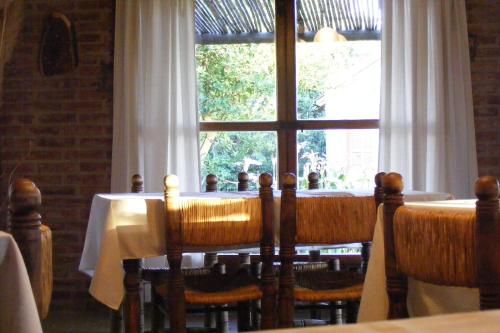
58, 52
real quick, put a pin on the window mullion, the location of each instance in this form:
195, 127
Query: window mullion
286, 84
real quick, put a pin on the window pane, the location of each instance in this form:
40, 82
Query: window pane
225, 154
338, 59
236, 82
338, 80
345, 159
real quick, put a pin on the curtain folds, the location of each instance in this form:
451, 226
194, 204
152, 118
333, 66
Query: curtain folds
426, 118
155, 121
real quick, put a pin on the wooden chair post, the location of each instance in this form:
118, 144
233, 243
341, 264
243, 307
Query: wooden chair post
211, 183
487, 238
313, 179
288, 217
396, 283
247, 311
24, 222
243, 181
314, 255
132, 306
378, 194
378, 191
210, 258
243, 186
137, 184
175, 300
268, 318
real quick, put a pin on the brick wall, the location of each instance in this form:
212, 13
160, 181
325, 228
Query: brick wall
68, 120
484, 26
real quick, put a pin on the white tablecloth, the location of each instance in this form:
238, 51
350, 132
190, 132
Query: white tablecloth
18, 312
129, 226
470, 322
424, 299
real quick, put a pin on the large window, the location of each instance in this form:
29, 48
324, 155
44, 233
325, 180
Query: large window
271, 99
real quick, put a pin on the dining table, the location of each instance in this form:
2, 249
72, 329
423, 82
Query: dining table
18, 311
126, 226
468, 322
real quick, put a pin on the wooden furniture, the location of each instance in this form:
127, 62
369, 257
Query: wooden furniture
187, 224
132, 304
315, 258
126, 226
157, 275
465, 322
34, 239
452, 248
296, 226
378, 194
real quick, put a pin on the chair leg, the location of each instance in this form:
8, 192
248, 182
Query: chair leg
157, 315
255, 313
315, 313
116, 320
352, 311
209, 321
222, 321
244, 316
336, 313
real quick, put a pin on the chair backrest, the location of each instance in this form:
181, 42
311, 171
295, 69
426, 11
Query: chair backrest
313, 181
211, 183
320, 220
33, 238
218, 222
452, 248
137, 184
243, 181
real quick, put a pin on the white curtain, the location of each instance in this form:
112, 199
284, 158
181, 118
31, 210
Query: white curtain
155, 125
427, 121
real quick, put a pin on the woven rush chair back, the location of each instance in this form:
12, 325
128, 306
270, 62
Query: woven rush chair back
317, 216
367, 231
452, 248
225, 221
34, 239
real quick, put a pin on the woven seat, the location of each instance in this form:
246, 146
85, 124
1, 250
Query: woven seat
218, 222
217, 289
452, 248
328, 286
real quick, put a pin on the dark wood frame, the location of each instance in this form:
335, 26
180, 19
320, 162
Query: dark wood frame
132, 304
24, 222
487, 248
287, 123
286, 302
176, 299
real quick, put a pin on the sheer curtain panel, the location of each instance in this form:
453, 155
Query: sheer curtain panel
427, 121
155, 123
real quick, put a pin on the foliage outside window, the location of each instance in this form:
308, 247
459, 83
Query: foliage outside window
237, 83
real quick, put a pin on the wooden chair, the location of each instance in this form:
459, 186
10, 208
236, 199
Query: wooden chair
318, 263
305, 224
185, 222
443, 238
378, 194
156, 275
34, 239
